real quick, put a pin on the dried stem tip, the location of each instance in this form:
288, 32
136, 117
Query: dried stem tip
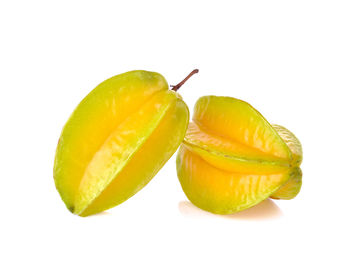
176, 87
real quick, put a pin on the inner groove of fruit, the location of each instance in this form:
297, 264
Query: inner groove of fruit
201, 137
220, 191
233, 157
133, 112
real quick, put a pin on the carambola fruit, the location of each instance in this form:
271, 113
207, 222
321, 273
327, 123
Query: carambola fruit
117, 139
232, 158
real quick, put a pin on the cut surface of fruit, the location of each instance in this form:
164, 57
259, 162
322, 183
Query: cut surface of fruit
220, 191
238, 121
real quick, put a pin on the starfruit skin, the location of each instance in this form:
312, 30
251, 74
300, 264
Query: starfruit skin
116, 140
232, 157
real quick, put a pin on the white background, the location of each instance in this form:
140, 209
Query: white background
289, 59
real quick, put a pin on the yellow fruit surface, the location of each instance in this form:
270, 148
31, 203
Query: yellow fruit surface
147, 161
232, 157
105, 133
220, 191
290, 189
240, 122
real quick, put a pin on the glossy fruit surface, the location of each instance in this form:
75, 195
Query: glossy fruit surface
232, 158
117, 139
292, 187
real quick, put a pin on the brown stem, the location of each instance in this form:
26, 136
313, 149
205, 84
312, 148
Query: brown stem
176, 87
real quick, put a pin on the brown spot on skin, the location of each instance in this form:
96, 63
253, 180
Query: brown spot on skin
71, 208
